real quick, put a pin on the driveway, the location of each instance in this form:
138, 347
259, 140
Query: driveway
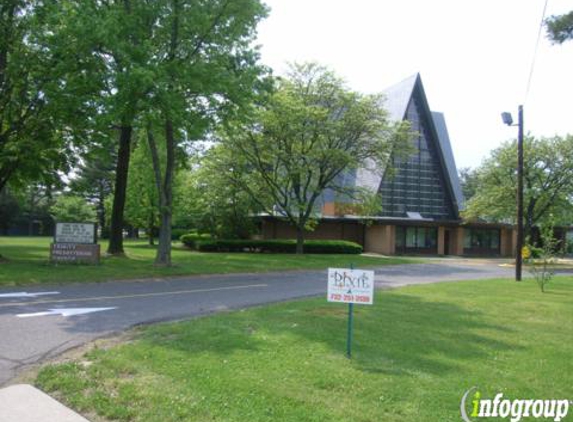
40, 322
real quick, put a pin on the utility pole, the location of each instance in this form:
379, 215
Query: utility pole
519, 246
508, 120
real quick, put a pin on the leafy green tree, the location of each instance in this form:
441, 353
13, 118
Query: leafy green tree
32, 140
110, 38
205, 69
548, 171
210, 203
73, 209
560, 28
310, 131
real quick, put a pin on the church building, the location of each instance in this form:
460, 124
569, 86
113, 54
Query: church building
421, 196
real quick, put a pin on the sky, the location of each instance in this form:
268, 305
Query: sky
474, 58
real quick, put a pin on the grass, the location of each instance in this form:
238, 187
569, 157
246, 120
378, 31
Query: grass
417, 350
25, 261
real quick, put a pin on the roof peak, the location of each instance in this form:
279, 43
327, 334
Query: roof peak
398, 96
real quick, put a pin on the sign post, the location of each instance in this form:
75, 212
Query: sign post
349, 333
350, 286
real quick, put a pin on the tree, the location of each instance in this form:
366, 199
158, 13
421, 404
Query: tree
73, 209
32, 139
206, 70
548, 171
142, 202
94, 180
109, 56
310, 131
116, 34
560, 28
213, 205
468, 181
9, 210
541, 265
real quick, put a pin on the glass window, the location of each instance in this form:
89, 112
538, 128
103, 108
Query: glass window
431, 237
411, 237
417, 177
421, 238
494, 239
481, 240
467, 238
399, 237
416, 237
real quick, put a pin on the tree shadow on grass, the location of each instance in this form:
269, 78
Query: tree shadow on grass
407, 333
25, 252
400, 334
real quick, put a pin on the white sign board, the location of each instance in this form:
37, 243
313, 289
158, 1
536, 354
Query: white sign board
75, 233
350, 286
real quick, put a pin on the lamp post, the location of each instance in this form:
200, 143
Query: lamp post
508, 120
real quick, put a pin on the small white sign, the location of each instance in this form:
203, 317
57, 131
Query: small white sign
75, 233
350, 286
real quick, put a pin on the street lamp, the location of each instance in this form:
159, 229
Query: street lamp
508, 120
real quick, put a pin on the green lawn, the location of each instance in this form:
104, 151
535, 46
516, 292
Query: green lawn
26, 262
417, 350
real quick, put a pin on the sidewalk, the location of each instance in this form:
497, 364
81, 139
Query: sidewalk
24, 403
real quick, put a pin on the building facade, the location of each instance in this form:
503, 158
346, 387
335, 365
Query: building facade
421, 195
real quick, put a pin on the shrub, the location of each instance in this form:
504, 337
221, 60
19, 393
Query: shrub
275, 246
190, 239
177, 233
332, 246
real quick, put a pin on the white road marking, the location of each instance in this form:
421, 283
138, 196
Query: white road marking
172, 293
26, 294
65, 312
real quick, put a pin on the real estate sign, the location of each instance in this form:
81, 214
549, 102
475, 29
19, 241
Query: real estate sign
350, 286
75, 233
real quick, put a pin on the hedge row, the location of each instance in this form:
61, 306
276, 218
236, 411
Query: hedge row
190, 239
274, 246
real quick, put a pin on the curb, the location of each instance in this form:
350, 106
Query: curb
25, 403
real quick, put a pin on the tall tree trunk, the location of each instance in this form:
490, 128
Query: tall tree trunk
166, 200
116, 229
300, 239
163, 257
165, 189
150, 230
101, 210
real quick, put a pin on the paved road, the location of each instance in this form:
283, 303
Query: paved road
31, 332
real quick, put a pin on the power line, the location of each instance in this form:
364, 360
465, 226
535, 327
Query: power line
532, 67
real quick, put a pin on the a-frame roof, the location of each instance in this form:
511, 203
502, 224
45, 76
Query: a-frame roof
398, 98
